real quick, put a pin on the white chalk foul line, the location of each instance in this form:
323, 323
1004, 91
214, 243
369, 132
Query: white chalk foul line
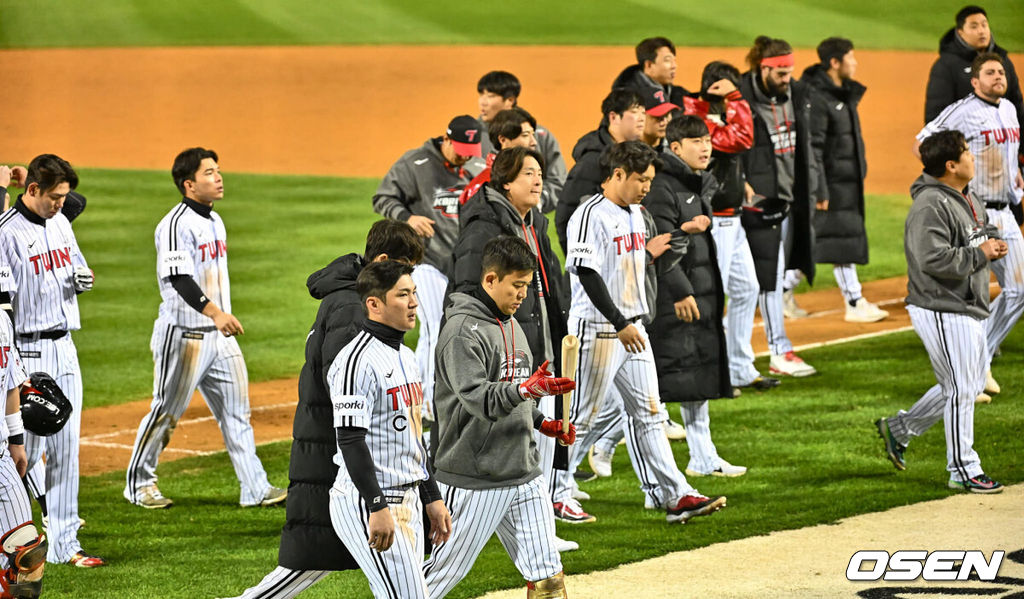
844, 340
90, 440
194, 452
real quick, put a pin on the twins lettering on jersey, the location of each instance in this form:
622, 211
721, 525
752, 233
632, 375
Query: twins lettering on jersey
408, 395
633, 242
1001, 136
213, 249
5, 353
47, 261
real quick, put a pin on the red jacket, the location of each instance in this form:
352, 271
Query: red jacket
485, 177
737, 133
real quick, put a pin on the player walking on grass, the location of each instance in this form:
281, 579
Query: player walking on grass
949, 245
193, 341
989, 122
384, 482
47, 272
607, 262
485, 454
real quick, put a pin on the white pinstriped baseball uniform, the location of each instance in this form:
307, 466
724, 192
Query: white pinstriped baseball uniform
611, 240
377, 388
993, 135
739, 280
42, 254
15, 509
189, 352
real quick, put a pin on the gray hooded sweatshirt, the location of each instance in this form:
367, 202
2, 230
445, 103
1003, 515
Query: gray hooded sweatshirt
484, 429
946, 270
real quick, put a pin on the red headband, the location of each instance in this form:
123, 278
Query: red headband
786, 60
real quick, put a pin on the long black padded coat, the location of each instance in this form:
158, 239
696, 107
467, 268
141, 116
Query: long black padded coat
690, 356
839, 234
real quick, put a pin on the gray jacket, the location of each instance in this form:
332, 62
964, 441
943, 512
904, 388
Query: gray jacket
946, 270
422, 183
484, 428
554, 165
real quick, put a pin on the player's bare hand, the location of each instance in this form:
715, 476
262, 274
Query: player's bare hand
658, 244
722, 87
686, 309
423, 226
440, 522
19, 175
632, 340
382, 530
697, 224
20, 458
748, 193
822, 205
5, 175
228, 325
994, 248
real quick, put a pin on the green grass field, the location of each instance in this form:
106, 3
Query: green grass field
917, 24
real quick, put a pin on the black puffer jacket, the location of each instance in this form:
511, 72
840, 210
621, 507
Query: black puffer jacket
584, 180
950, 77
488, 215
839, 234
759, 167
308, 540
690, 356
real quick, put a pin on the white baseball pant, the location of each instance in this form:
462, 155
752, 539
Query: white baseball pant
430, 287
739, 281
770, 303
1007, 308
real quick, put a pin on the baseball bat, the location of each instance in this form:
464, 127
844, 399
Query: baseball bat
570, 358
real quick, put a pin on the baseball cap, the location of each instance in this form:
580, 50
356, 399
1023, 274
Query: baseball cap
656, 105
464, 131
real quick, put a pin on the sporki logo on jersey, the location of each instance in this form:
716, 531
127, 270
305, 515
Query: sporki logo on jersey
932, 566
48, 261
633, 242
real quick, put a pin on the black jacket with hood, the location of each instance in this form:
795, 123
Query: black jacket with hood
584, 180
308, 540
633, 77
839, 233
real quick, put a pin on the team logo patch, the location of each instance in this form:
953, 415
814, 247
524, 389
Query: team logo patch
446, 201
515, 368
581, 251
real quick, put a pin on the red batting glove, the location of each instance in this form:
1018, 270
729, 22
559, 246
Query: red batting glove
553, 428
541, 383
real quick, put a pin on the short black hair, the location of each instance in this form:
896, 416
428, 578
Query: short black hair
505, 255
648, 49
50, 170
980, 60
970, 9
620, 101
503, 83
941, 147
833, 47
507, 165
187, 163
630, 156
396, 239
377, 278
687, 126
715, 71
509, 124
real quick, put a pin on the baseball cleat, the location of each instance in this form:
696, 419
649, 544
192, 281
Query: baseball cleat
151, 499
983, 398
600, 462
790, 364
893, 449
761, 383
273, 496
789, 307
977, 484
572, 512
674, 431
582, 476
691, 506
991, 386
724, 469
864, 311
563, 545
84, 560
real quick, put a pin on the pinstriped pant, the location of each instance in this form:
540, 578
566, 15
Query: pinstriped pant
770, 303
59, 358
523, 519
284, 583
956, 347
849, 284
184, 360
1009, 271
430, 286
739, 281
398, 572
14, 504
604, 363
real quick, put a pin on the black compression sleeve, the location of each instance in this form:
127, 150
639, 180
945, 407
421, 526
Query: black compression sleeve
359, 462
597, 291
189, 291
429, 491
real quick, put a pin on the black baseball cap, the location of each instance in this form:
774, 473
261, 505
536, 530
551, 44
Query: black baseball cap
464, 131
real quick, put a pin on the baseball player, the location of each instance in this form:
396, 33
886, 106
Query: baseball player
949, 244
423, 189
485, 455
47, 272
989, 122
194, 341
499, 91
24, 551
383, 483
607, 263
310, 549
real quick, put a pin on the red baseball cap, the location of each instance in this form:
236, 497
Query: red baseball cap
657, 105
464, 131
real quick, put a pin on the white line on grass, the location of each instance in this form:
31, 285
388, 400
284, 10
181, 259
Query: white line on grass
109, 435
843, 340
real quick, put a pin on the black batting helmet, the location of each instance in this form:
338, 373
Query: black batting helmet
44, 407
764, 212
